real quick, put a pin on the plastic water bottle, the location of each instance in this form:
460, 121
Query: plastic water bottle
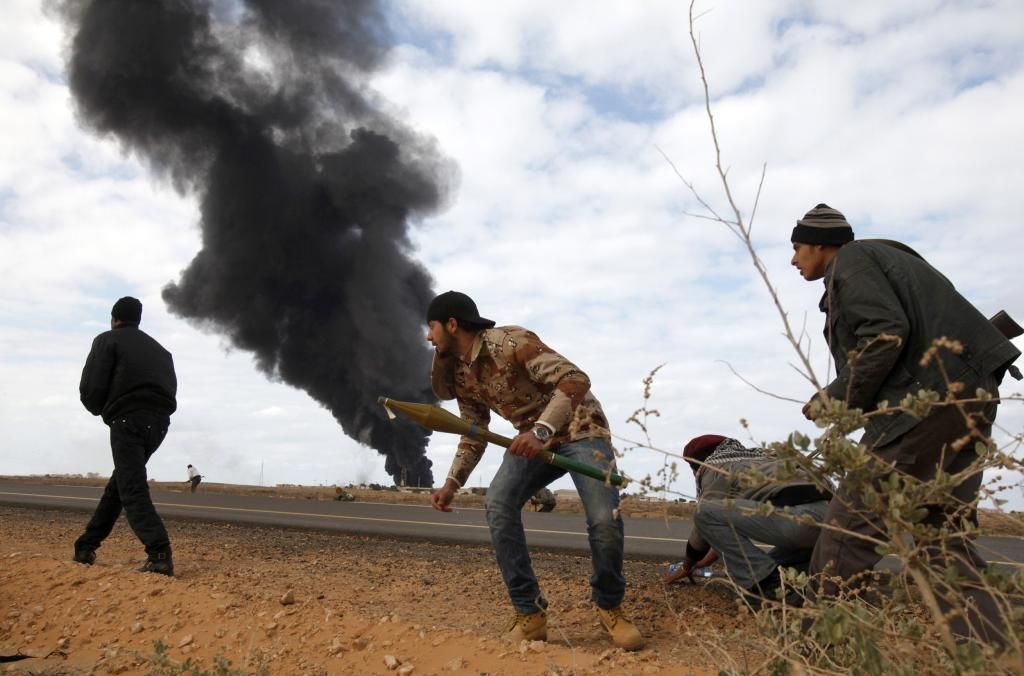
699, 572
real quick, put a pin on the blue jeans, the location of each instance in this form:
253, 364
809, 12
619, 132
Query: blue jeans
516, 480
732, 529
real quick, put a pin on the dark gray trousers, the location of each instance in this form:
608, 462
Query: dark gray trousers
734, 527
920, 453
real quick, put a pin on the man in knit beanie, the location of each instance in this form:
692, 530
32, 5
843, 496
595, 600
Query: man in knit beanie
816, 239
884, 307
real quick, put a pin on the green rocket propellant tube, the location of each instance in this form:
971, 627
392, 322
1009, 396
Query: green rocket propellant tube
439, 420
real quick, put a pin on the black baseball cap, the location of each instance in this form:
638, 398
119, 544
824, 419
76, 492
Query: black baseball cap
458, 305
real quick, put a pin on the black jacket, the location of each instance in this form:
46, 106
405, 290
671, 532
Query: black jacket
128, 372
874, 288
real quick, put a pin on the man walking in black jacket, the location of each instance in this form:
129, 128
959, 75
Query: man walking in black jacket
129, 380
884, 307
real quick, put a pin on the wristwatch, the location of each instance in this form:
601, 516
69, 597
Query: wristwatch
542, 433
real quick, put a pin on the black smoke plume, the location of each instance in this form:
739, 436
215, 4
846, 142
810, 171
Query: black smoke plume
261, 109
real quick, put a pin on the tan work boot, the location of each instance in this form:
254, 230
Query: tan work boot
531, 627
624, 633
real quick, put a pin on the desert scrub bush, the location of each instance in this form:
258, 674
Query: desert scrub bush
927, 616
161, 664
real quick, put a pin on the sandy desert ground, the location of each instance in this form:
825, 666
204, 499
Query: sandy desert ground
249, 599
298, 602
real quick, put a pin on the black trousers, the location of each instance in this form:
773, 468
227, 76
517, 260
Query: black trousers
133, 439
921, 453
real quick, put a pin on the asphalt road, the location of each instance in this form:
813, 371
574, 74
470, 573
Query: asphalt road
646, 538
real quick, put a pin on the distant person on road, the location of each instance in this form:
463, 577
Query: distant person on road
730, 521
194, 478
129, 380
510, 371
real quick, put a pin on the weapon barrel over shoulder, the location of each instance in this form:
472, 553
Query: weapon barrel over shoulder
1004, 322
439, 420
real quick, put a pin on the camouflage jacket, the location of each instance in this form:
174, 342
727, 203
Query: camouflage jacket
510, 371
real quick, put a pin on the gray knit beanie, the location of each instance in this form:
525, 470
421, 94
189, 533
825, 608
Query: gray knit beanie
822, 225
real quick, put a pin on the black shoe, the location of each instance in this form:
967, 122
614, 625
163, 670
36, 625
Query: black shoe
86, 556
794, 599
764, 591
159, 563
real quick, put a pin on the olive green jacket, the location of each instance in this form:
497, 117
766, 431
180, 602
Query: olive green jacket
884, 307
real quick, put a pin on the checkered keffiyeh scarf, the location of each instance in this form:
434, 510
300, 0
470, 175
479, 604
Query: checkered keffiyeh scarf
730, 451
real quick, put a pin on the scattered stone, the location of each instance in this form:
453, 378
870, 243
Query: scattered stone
406, 669
538, 646
63, 643
185, 640
136, 628
288, 598
455, 664
391, 662
38, 610
360, 643
336, 647
436, 642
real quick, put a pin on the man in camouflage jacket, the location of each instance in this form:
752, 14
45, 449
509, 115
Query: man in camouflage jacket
510, 371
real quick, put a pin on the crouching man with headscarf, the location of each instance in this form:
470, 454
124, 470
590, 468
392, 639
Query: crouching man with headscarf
734, 483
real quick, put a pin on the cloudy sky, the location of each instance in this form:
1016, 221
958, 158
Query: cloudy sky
567, 217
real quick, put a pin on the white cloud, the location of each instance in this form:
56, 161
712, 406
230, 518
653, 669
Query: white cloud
567, 218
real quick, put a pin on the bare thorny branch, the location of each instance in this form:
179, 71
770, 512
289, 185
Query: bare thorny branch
899, 491
736, 224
